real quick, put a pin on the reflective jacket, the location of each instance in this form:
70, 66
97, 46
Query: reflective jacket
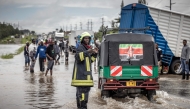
82, 73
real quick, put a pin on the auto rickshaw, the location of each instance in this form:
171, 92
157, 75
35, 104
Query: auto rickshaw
128, 65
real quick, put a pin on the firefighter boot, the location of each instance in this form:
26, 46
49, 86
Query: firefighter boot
183, 75
83, 105
187, 76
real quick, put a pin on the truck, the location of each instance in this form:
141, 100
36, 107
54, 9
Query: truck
74, 38
59, 36
168, 28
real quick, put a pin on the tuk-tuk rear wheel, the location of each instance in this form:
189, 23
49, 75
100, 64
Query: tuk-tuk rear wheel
150, 95
105, 93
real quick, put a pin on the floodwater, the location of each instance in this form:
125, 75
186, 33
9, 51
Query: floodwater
22, 90
9, 48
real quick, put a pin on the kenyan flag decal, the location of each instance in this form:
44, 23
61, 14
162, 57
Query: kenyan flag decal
133, 52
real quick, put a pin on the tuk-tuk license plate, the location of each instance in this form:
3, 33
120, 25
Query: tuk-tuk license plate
131, 83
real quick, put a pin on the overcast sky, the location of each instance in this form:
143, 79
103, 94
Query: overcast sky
47, 15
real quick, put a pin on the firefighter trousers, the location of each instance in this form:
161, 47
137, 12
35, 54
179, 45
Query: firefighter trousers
82, 97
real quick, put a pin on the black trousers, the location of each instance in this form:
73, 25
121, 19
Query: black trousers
82, 97
41, 63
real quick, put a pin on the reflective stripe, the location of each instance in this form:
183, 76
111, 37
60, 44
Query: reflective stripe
88, 77
81, 55
82, 99
82, 83
75, 72
87, 64
93, 58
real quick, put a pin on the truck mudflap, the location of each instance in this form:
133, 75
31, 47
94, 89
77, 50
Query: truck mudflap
148, 84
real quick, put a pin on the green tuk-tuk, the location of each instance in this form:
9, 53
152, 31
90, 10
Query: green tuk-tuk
128, 65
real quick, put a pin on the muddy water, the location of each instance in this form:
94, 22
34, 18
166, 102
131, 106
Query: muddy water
9, 48
22, 90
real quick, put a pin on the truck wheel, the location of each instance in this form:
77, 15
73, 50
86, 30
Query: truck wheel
105, 93
174, 68
150, 94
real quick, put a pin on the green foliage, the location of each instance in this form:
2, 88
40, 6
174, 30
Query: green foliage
7, 30
27, 38
33, 32
7, 40
7, 56
19, 50
61, 30
66, 37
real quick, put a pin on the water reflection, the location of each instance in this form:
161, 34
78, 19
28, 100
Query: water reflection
179, 88
184, 88
40, 91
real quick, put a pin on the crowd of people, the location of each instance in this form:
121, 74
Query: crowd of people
49, 52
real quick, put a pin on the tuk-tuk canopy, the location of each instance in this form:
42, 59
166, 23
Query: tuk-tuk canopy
128, 37
128, 49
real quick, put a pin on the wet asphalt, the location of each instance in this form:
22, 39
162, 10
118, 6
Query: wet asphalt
20, 89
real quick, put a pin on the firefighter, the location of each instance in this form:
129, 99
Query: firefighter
82, 76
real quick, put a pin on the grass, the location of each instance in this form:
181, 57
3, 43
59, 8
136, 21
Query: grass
27, 38
7, 40
11, 55
7, 56
20, 50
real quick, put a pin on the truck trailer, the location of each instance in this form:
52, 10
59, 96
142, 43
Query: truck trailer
168, 28
74, 38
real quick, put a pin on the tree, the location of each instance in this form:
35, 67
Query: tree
142, 1
61, 30
32, 32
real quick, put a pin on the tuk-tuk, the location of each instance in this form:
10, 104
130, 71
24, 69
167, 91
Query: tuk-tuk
128, 65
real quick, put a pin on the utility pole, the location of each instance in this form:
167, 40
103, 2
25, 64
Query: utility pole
91, 24
170, 5
71, 27
18, 25
88, 25
66, 27
76, 26
102, 23
81, 25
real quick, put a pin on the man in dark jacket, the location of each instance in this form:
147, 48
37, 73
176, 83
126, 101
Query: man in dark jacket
82, 74
185, 60
26, 54
61, 46
50, 53
57, 53
41, 50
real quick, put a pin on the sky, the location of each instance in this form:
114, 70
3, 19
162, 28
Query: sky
45, 16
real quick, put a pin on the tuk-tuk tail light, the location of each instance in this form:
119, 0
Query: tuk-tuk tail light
151, 80
111, 80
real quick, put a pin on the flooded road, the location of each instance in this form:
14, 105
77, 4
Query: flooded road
23, 90
9, 48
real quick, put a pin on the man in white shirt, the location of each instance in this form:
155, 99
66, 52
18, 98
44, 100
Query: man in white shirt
32, 53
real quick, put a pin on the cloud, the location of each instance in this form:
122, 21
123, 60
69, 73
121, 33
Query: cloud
59, 13
32, 6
